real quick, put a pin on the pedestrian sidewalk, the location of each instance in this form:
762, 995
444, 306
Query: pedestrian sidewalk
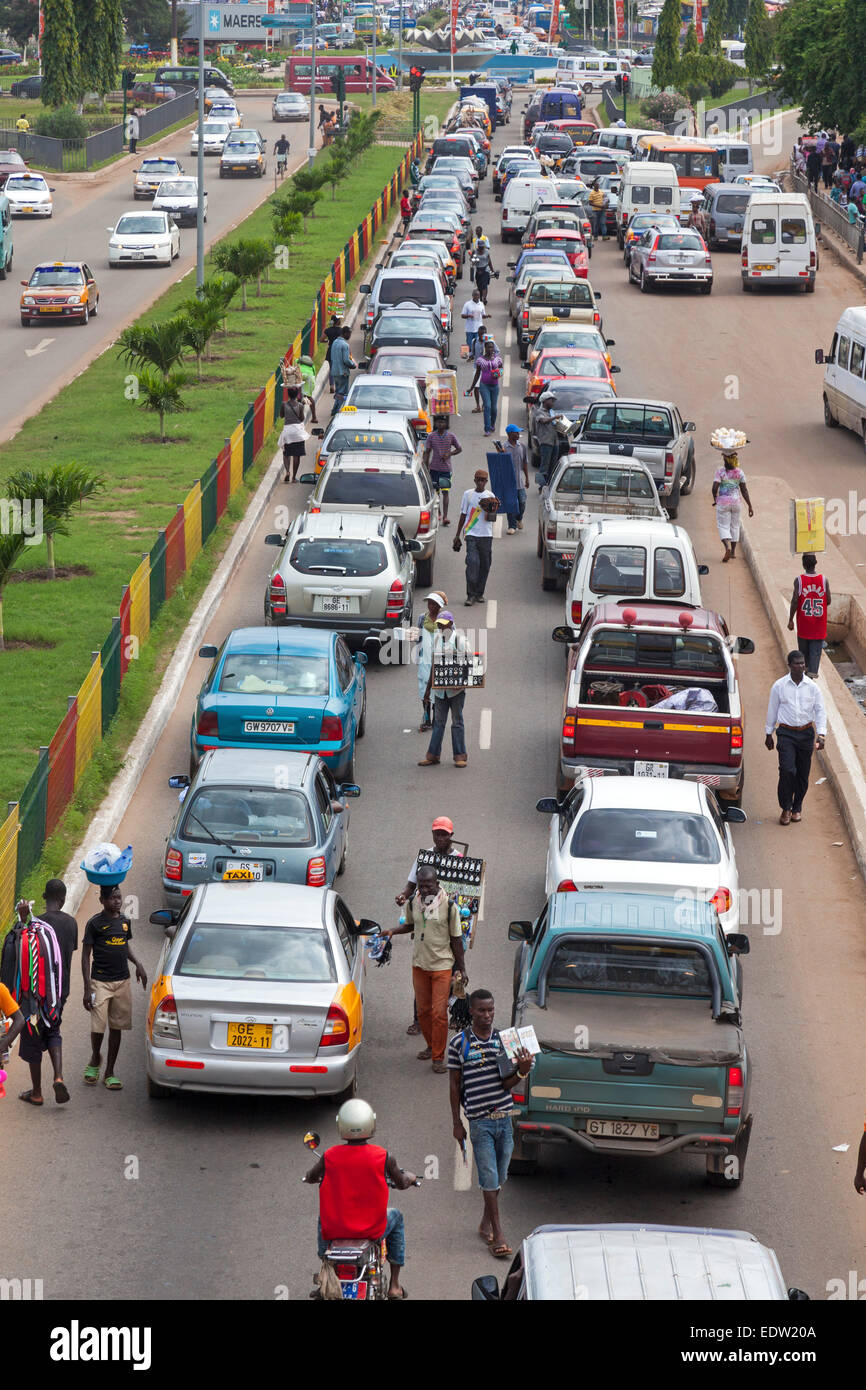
844, 240
765, 544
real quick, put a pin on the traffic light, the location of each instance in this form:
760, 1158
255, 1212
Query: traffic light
338, 84
127, 80
416, 77
625, 81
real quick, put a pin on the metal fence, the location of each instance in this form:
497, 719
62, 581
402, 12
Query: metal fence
614, 112
167, 113
71, 156
827, 214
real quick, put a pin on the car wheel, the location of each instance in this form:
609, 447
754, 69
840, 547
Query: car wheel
746, 285
830, 421
539, 549
645, 286
155, 1091
810, 286
864, 436
720, 1171
341, 867
362, 722
25, 323
5, 268
524, 1158
688, 483
424, 571
672, 505
349, 1093
707, 288
95, 310
85, 317
549, 581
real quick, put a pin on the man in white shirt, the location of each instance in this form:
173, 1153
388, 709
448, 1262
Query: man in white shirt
477, 513
796, 713
474, 313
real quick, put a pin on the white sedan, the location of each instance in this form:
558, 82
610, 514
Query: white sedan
214, 135
143, 238
226, 111
179, 198
644, 835
29, 195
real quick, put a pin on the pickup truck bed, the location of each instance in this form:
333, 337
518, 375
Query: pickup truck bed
679, 1032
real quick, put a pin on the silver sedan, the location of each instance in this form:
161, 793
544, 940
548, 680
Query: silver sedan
258, 990
671, 258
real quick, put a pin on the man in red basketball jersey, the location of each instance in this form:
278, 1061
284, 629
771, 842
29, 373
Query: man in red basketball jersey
809, 604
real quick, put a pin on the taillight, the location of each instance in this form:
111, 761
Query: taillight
736, 738
596, 318
394, 605
208, 724
812, 261
165, 1028
550, 531
651, 256
423, 527
336, 1030
505, 214
707, 260
744, 259
332, 729
346, 1271
444, 318
721, 900
418, 423
569, 730
735, 1091
567, 886
173, 864
712, 226
576, 613
316, 872
669, 464
525, 318
370, 318
278, 594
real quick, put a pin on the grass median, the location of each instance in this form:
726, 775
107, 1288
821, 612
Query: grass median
53, 626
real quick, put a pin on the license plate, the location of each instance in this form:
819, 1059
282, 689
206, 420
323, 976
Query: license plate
763, 267
268, 726
334, 605
26, 209
645, 769
622, 1129
50, 309
137, 256
354, 1288
249, 869
249, 1035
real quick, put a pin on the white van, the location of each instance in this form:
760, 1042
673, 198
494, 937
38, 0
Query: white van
639, 560
591, 71
647, 186
614, 137
844, 382
735, 156
779, 246
518, 200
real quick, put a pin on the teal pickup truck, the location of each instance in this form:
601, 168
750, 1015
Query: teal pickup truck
635, 1001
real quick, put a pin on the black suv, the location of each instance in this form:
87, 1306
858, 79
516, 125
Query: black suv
188, 77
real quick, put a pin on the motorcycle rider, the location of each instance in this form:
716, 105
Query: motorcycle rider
353, 1193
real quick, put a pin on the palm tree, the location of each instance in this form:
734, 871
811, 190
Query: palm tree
218, 291
11, 546
159, 345
286, 227
59, 488
243, 259
160, 392
337, 167
201, 321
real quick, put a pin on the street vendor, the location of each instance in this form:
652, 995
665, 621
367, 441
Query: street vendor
440, 448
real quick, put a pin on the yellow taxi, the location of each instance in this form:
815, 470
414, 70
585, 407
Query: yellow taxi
59, 290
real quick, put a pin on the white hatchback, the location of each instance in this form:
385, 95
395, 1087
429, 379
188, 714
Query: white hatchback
214, 136
143, 238
644, 835
29, 195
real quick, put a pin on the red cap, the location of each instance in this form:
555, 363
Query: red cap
443, 823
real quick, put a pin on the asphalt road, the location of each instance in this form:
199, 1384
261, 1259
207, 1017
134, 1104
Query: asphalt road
36, 362
200, 1197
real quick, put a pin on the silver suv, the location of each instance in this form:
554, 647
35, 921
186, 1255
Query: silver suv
365, 483
350, 572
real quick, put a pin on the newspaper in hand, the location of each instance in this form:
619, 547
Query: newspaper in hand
513, 1039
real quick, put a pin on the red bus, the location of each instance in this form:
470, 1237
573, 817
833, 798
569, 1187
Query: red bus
358, 70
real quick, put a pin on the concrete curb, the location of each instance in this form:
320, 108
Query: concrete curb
104, 824
842, 761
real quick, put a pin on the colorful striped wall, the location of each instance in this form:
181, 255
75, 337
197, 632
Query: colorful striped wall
63, 762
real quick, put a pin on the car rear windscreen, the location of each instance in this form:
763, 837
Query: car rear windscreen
247, 953
419, 291
582, 482
572, 294
248, 815
613, 967
373, 489
732, 202
350, 557
648, 837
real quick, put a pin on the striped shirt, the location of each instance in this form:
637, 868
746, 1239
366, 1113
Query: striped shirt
483, 1091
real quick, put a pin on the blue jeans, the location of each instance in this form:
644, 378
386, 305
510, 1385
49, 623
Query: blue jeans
549, 459
341, 391
479, 553
599, 222
395, 1238
441, 705
490, 401
471, 335
492, 1145
513, 518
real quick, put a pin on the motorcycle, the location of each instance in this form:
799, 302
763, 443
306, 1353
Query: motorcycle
359, 1265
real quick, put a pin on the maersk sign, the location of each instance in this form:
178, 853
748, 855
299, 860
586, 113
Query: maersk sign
226, 21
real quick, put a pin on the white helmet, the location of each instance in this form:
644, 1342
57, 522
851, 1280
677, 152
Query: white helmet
356, 1120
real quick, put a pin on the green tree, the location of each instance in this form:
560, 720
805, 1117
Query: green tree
149, 21
60, 488
242, 259
62, 81
310, 183
737, 12
286, 228
161, 394
218, 291
691, 47
759, 41
100, 43
849, 97
18, 18
715, 29
337, 166
812, 48
11, 547
200, 320
157, 345
666, 57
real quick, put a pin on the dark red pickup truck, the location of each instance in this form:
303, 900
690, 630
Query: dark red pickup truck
631, 668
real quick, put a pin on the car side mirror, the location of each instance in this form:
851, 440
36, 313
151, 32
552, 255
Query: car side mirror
485, 1289
597, 294
275, 539
361, 658
819, 356
511, 265
689, 426
614, 370
563, 634
365, 289
497, 197
414, 547
520, 293
452, 366
318, 432
703, 569
308, 478
178, 781
365, 926
744, 646
795, 1295
737, 944
364, 365
165, 917
548, 805
609, 342
349, 789
519, 931
735, 815
208, 651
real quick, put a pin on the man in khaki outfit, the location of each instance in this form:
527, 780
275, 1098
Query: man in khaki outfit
435, 921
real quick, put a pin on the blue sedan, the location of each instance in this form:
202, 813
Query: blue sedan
297, 689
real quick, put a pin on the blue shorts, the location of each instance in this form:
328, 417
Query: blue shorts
441, 481
492, 1145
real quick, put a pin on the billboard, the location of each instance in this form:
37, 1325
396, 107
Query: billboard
226, 22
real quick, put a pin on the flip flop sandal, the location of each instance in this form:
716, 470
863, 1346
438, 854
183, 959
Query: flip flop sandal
501, 1252
27, 1097
61, 1095
396, 1297
112, 1083
485, 1236
91, 1076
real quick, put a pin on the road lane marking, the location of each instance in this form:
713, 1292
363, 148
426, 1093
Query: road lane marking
485, 732
506, 372
504, 407
509, 335
480, 916
40, 347
491, 612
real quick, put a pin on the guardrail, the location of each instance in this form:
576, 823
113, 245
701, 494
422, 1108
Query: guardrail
72, 156
827, 214
62, 762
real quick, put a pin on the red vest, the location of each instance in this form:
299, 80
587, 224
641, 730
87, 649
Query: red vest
353, 1194
811, 607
